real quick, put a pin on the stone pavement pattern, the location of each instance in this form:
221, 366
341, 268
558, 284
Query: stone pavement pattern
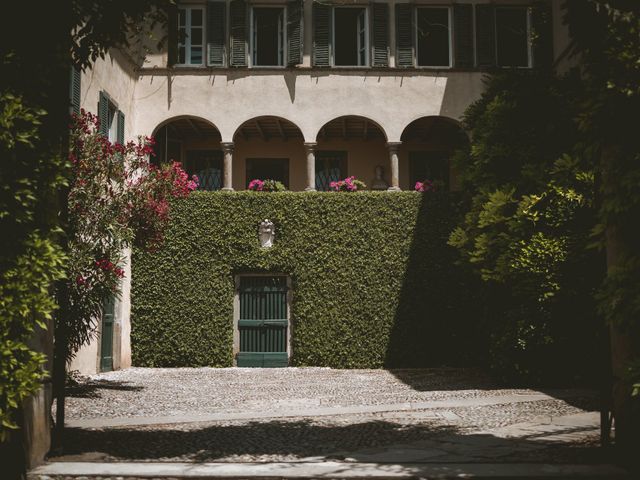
315, 414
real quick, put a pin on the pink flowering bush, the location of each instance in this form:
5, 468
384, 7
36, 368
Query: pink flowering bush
349, 184
116, 199
425, 186
267, 185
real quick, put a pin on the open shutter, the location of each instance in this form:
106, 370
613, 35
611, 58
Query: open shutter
404, 29
172, 35
103, 114
463, 35
542, 34
238, 14
380, 35
216, 28
486, 35
75, 89
294, 32
120, 134
321, 34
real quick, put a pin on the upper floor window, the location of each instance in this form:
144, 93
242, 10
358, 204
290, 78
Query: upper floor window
433, 34
191, 36
111, 119
512, 37
268, 36
350, 37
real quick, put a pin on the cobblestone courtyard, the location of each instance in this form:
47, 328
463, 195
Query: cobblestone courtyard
317, 414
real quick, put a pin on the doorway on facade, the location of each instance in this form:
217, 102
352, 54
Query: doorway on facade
106, 335
262, 336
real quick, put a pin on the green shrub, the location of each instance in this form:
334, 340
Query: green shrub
374, 282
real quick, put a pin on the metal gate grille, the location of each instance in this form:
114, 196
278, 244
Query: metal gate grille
263, 322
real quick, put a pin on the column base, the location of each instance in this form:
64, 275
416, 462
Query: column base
394, 189
227, 189
310, 189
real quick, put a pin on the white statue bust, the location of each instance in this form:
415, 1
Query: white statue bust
266, 233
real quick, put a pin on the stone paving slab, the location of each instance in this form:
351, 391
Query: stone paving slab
328, 470
313, 412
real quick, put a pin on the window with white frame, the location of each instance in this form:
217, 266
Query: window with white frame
112, 116
350, 37
512, 37
191, 35
433, 36
268, 36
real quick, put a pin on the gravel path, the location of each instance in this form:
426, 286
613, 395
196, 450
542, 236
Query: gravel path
173, 392
149, 392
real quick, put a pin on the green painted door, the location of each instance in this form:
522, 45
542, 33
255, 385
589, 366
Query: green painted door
106, 336
263, 322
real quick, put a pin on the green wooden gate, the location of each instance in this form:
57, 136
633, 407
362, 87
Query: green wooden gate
263, 322
106, 336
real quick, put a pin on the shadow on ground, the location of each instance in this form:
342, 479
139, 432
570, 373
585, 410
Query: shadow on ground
91, 388
369, 441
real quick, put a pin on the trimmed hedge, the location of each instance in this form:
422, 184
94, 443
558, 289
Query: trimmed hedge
374, 282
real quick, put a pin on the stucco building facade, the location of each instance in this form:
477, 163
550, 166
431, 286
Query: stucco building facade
307, 92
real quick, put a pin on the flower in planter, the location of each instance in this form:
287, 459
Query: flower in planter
349, 184
266, 185
425, 186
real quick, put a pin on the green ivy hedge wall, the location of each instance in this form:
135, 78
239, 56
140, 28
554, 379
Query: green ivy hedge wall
374, 282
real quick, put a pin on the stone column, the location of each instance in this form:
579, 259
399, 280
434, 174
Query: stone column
393, 160
227, 181
310, 149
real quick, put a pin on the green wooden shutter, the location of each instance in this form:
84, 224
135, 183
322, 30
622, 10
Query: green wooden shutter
120, 134
380, 35
103, 114
463, 35
485, 35
172, 35
542, 34
294, 32
76, 76
321, 34
404, 35
238, 34
216, 32
106, 335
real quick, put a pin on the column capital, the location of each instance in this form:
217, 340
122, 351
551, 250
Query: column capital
227, 146
393, 146
310, 146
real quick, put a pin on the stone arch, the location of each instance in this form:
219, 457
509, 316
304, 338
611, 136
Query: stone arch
353, 126
268, 127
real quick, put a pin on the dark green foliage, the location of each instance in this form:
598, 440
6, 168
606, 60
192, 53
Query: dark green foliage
374, 282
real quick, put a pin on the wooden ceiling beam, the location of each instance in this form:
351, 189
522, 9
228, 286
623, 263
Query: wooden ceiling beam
282, 133
194, 127
261, 131
344, 128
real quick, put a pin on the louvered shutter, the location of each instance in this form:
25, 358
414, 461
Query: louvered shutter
103, 114
404, 30
485, 35
216, 28
294, 32
238, 14
172, 35
76, 75
542, 34
463, 35
380, 35
120, 133
321, 34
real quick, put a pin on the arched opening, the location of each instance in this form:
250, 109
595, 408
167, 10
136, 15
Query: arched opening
195, 143
352, 146
269, 147
428, 144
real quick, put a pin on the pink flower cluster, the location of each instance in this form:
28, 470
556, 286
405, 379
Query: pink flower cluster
108, 266
182, 184
256, 185
425, 186
349, 184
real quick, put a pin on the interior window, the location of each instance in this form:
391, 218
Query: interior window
268, 36
268, 168
207, 166
432, 166
350, 42
433, 37
330, 167
190, 36
512, 34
